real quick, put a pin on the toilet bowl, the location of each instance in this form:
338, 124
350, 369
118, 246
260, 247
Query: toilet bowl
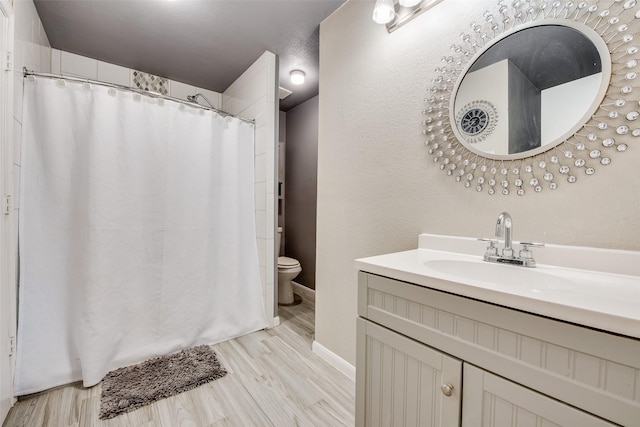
288, 269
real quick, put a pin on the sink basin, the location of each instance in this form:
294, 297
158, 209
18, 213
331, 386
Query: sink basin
522, 278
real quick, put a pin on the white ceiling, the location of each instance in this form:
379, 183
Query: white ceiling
204, 43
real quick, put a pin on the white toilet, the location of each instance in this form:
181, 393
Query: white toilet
288, 269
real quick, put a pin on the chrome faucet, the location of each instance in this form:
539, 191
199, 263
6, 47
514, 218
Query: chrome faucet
504, 227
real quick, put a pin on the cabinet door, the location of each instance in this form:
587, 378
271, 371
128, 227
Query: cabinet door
399, 382
491, 401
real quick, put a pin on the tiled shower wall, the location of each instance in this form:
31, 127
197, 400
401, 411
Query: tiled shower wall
251, 96
254, 96
31, 49
80, 66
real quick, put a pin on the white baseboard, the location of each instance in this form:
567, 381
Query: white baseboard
306, 293
276, 322
334, 360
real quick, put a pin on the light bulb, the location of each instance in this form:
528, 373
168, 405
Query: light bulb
297, 77
409, 3
383, 11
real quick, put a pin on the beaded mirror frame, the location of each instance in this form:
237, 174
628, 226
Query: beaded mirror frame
591, 145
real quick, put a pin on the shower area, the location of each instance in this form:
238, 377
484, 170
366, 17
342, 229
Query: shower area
147, 224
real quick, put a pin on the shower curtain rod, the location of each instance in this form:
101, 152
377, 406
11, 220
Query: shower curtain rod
131, 89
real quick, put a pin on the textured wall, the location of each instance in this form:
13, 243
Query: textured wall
377, 185
300, 184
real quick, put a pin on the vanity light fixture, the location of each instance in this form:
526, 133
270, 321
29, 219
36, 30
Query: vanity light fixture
409, 3
297, 77
383, 11
396, 13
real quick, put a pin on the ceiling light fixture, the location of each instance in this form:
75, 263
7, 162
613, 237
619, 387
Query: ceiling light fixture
396, 13
383, 11
297, 77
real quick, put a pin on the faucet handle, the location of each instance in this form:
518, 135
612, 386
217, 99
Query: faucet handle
491, 249
533, 245
525, 253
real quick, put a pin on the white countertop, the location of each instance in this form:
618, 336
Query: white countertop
603, 300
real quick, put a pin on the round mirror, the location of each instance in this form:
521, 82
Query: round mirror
530, 89
537, 94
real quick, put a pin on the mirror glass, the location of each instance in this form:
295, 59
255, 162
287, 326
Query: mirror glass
529, 91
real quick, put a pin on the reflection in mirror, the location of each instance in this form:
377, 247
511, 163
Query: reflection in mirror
528, 90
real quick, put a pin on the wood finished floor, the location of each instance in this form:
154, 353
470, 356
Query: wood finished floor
273, 380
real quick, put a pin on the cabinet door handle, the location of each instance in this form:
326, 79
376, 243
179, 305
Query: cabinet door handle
447, 389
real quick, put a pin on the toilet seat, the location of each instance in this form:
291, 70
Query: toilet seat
285, 263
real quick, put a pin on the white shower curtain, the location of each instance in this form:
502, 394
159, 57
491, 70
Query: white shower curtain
137, 232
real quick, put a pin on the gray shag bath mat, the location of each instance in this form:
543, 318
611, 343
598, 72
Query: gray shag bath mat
131, 387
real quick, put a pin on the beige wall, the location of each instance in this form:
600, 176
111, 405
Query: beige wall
377, 185
300, 184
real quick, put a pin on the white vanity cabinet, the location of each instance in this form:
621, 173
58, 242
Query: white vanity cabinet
403, 381
430, 358
492, 401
